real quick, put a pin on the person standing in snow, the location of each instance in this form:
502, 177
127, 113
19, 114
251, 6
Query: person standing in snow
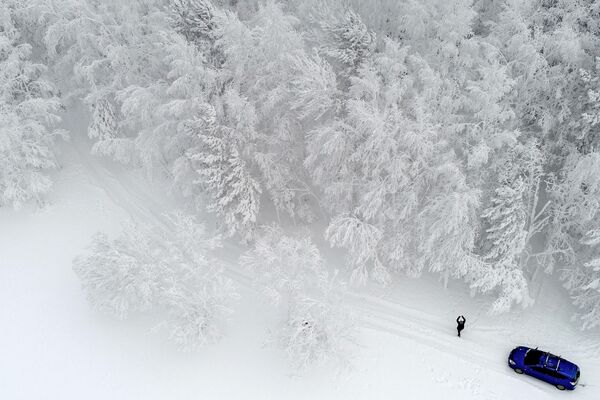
461, 324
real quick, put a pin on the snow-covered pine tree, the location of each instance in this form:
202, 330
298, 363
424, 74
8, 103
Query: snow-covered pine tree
591, 133
193, 19
199, 22
104, 124
29, 108
505, 221
104, 129
234, 192
349, 41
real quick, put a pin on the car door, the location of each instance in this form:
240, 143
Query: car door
540, 373
557, 378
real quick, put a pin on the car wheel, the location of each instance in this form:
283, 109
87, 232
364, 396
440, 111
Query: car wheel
518, 370
560, 387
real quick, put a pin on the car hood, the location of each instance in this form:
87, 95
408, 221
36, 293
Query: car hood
518, 353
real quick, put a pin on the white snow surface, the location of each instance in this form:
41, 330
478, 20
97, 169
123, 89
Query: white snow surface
54, 346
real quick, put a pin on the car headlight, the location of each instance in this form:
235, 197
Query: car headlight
511, 362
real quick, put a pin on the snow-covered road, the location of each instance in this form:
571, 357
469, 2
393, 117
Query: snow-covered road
53, 346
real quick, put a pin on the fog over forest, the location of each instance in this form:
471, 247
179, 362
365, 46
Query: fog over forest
458, 139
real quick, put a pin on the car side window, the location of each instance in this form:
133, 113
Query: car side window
539, 369
555, 374
548, 372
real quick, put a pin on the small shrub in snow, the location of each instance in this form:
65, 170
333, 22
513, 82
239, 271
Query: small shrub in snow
170, 269
120, 276
197, 310
316, 331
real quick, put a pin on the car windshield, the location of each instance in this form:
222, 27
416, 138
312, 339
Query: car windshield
533, 357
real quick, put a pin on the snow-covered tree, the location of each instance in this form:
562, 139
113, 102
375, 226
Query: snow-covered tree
347, 40
194, 20
262, 69
591, 115
169, 268
29, 109
506, 218
314, 87
291, 273
447, 233
317, 330
584, 282
573, 235
285, 266
120, 276
505, 221
197, 294
361, 240
234, 193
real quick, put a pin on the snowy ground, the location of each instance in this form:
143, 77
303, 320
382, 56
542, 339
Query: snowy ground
53, 346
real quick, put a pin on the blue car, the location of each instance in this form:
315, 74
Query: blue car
545, 366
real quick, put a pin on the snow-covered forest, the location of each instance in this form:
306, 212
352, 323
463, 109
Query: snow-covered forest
405, 139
